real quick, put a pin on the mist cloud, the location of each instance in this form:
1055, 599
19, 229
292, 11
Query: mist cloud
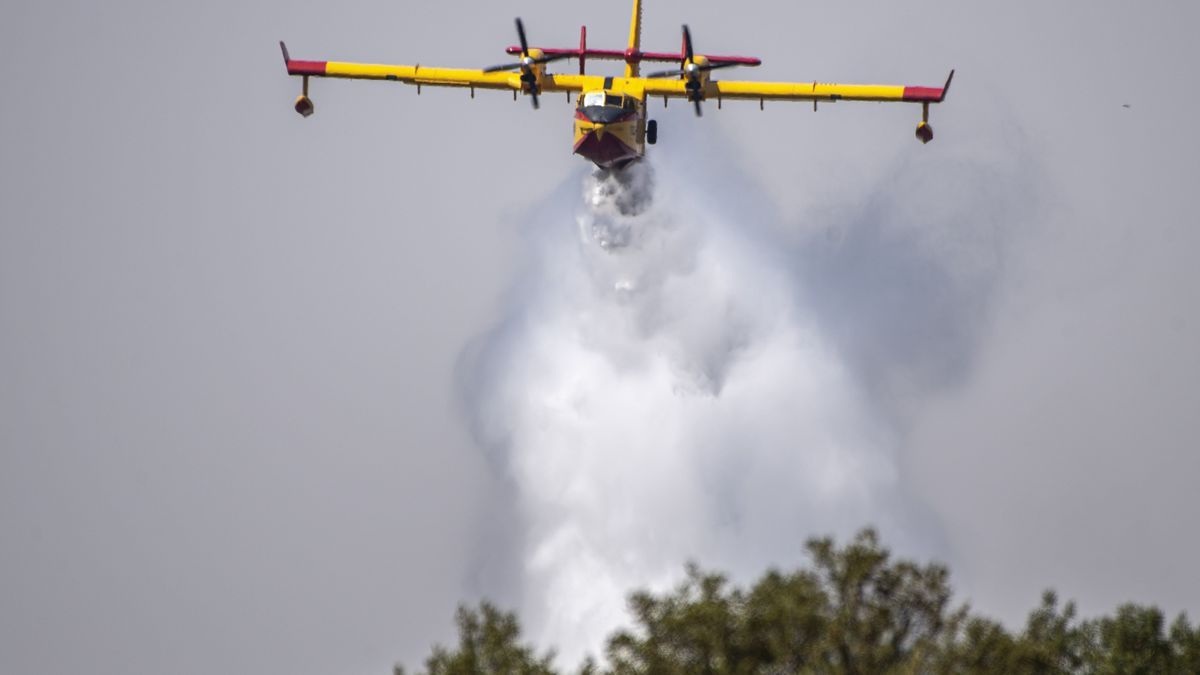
660, 391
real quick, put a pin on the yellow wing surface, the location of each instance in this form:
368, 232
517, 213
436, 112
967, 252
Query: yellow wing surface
438, 77
669, 88
796, 91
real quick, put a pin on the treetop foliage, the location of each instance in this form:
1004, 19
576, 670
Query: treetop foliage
854, 611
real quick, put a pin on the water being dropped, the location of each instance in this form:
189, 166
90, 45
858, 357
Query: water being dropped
661, 394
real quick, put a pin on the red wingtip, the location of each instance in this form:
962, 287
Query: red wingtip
928, 94
301, 67
306, 67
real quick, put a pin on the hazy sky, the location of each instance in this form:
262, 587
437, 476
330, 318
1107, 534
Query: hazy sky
230, 435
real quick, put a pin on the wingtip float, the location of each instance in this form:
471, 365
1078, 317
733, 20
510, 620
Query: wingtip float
927, 95
612, 125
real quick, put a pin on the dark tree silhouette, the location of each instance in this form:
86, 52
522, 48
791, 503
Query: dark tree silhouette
854, 611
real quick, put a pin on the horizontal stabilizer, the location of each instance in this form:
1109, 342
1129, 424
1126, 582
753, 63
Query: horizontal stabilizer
636, 57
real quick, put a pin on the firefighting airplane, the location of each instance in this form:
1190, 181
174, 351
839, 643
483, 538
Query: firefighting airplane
611, 124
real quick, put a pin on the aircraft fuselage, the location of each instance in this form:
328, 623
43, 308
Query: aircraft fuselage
610, 127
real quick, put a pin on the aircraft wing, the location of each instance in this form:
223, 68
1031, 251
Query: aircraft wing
434, 77
561, 82
799, 91
419, 75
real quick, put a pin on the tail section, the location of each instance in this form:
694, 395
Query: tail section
635, 41
633, 56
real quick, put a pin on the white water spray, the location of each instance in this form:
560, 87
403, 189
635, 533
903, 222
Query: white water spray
660, 393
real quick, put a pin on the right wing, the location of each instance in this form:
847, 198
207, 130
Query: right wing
434, 77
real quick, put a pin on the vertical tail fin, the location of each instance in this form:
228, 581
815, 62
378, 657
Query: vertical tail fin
582, 48
635, 41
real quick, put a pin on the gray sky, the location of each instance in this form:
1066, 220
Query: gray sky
228, 336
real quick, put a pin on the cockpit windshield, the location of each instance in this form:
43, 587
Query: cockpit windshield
600, 98
603, 108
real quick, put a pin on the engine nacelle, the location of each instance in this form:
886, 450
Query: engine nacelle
700, 76
304, 105
924, 132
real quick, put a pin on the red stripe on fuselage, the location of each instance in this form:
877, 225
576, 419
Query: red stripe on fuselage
306, 67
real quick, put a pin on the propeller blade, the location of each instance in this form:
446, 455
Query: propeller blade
556, 57
681, 73
529, 83
521, 64
687, 43
714, 66
698, 112
528, 78
503, 66
521, 35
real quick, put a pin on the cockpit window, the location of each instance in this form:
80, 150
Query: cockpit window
604, 108
599, 98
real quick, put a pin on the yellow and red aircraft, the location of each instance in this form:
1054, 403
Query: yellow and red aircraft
611, 124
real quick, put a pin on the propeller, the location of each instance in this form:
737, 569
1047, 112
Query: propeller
526, 64
679, 72
690, 71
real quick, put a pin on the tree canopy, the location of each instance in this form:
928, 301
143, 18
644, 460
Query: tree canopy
855, 610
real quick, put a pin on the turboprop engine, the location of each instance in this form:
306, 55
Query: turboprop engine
532, 66
694, 70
